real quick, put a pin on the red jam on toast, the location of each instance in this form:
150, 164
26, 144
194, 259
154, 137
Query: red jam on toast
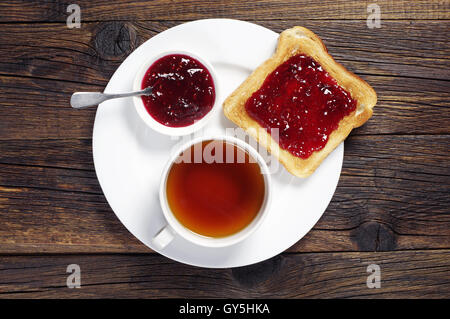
304, 102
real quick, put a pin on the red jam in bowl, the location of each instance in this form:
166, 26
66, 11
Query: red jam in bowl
304, 102
183, 90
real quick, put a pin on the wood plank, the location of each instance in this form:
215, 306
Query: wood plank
21, 10
90, 55
43, 220
392, 195
70, 153
406, 274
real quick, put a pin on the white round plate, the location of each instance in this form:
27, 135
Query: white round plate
129, 157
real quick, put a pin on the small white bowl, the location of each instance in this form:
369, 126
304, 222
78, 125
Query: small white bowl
154, 124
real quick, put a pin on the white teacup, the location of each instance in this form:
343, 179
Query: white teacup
174, 227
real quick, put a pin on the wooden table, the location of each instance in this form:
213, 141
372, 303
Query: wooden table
391, 207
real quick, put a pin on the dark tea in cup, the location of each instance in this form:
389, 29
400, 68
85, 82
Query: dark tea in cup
215, 188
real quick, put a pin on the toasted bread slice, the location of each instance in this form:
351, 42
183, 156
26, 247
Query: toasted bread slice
294, 41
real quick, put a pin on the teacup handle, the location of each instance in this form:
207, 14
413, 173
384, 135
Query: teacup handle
163, 237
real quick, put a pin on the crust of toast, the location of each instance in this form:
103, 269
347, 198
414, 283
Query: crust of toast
299, 40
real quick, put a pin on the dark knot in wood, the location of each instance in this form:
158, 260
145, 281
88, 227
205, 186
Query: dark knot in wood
256, 274
373, 236
114, 39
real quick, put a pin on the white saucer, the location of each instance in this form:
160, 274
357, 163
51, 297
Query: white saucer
129, 156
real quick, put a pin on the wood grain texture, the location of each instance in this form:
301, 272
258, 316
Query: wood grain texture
392, 195
91, 54
50, 10
414, 274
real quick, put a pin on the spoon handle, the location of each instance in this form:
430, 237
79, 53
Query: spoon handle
81, 100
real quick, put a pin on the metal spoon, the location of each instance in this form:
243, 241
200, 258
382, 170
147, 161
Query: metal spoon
81, 100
